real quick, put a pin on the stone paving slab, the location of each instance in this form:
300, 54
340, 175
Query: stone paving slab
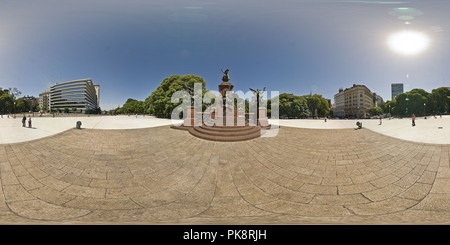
164, 176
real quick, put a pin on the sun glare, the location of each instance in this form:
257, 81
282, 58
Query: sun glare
408, 42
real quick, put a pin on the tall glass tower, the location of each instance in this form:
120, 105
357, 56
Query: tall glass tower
79, 94
396, 88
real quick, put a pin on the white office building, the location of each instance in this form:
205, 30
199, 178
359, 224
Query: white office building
339, 101
80, 94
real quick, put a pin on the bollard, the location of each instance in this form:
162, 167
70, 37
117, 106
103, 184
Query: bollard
78, 125
359, 124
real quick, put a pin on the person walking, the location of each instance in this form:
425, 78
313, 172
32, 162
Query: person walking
29, 122
24, 119
413, 120
381, 118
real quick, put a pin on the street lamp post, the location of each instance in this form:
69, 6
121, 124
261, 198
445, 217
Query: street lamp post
407, 105
14, 110
424, 110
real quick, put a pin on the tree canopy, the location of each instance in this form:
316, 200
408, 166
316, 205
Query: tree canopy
291, 106
440, 100
419, 102
22, 105
7, 99
375, 111
318, 106
159, 102
133, 106
6, 103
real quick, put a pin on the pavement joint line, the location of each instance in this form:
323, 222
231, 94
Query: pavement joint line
384, 163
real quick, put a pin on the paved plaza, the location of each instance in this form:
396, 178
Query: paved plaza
431, 130
434, 130
128, 170
11, 130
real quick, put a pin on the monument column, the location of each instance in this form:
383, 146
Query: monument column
228, 111
263, 121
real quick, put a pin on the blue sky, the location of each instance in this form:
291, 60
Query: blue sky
292, 46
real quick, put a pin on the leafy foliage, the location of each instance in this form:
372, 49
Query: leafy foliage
6, 103
318, 106
375, 111
419, 102
291, 106
159, 102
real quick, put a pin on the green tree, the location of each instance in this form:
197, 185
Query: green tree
388, 106
14, 92
291, 106
411, 102
269, 108
6, 103
117, 111
439, 100
416, 103
317, 105
133, 106
402, 104
66, 109
420, 91
159, 102
7, 99
22, 105
375, 111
